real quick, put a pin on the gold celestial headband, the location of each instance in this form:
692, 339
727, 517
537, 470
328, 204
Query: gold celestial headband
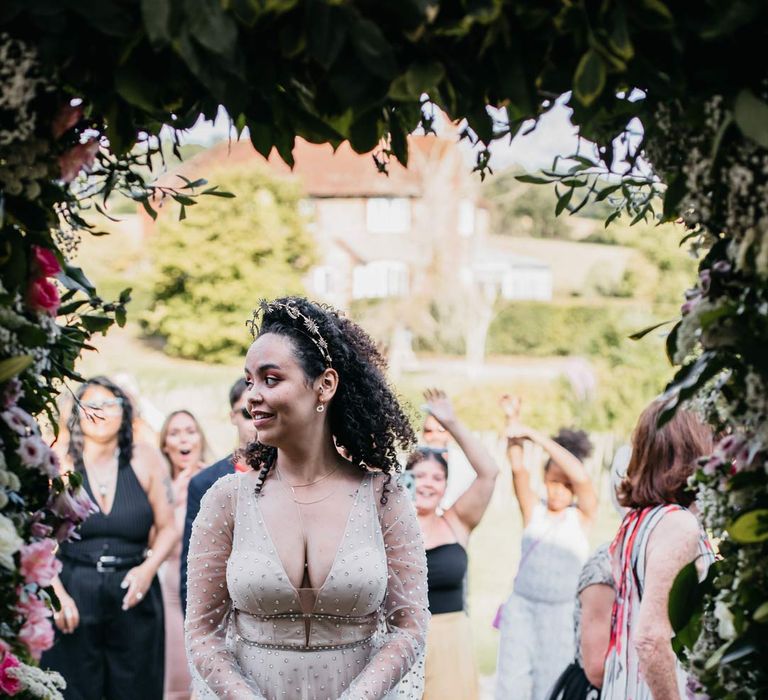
310, 328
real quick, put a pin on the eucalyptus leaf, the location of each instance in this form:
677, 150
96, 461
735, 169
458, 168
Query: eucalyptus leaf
751, 115
589, 79
14, 366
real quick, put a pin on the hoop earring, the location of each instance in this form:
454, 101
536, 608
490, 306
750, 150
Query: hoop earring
320, 408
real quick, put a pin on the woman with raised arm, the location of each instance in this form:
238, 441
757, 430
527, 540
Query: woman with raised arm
450, 668
536, 641
307, 577
109, 642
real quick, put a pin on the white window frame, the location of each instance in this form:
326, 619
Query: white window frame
388, 214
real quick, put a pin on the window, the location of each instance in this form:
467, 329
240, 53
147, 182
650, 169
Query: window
383, 278
389, 214
322, 280
466, 217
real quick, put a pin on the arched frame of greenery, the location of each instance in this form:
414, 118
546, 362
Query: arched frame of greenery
669, 94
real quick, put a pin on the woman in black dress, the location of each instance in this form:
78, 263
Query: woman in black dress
109, 642
449, 670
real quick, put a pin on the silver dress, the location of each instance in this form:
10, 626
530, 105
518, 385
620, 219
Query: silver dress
251, 633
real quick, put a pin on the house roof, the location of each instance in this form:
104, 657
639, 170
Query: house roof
325, 173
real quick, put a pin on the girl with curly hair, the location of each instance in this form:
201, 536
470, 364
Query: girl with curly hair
536, 641
307, 575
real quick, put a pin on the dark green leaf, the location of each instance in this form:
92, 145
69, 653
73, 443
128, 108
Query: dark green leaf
156, 15
326, 31
676, 189
120, 316
646, 331
751, 116
74, 278
589, 79
373, 49
95, 324
533, 179
212, 26
751, 527
563, 201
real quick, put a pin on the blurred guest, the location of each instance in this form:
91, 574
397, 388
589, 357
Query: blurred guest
200, 483
110, 635
449, 665
595, 595
183, 443
536, 641
656, 539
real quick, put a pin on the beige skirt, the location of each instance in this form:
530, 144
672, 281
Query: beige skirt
449, 669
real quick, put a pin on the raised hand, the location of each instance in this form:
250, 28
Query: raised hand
439, 406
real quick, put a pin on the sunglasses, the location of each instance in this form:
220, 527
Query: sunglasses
439, 453
109, 406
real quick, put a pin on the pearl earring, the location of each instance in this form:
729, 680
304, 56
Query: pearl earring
320, 408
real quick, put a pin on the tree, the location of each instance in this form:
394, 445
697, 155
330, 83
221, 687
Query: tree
211, 269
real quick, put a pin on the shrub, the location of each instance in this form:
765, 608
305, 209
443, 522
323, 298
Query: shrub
210, 270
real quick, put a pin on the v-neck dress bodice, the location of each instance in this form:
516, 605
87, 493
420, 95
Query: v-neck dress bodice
252, 634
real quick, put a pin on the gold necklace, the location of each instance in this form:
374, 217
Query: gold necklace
292, 492
309, 483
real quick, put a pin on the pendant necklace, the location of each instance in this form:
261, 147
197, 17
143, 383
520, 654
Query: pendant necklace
102, 487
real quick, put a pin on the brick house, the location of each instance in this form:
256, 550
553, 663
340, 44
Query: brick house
382, 236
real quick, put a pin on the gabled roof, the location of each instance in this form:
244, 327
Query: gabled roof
324, 173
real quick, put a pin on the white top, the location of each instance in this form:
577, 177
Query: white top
554, 549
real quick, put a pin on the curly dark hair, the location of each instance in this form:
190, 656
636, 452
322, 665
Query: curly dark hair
577, 442
124, 435
366, 418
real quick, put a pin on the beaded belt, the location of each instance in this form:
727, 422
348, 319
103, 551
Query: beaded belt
328, 628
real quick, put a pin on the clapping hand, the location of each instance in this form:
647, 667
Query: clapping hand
516, 431
439, 406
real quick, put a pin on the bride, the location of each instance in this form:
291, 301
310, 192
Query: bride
307, 576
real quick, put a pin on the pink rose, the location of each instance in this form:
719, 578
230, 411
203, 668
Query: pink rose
78, 157
38, 564
42, 295
8, 684
46, 261
67, 117
37, 636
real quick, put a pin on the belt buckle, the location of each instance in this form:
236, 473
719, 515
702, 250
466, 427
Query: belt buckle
105, 560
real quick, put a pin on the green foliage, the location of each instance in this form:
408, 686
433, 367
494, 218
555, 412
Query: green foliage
519, 208
211, 269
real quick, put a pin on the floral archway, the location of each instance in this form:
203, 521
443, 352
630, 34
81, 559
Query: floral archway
669, 94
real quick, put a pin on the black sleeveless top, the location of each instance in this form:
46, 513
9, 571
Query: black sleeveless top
446, 570
124, 531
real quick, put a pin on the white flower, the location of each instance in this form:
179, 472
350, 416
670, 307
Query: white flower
724, 617
38, 682
33, 451
10, 542
3, 499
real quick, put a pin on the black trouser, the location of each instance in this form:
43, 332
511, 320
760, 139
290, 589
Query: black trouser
113, 654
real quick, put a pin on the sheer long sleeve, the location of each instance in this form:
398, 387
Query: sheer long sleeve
215, 670
399, 656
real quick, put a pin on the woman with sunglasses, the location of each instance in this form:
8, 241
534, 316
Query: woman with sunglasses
449, 666
183, 444
109, 642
